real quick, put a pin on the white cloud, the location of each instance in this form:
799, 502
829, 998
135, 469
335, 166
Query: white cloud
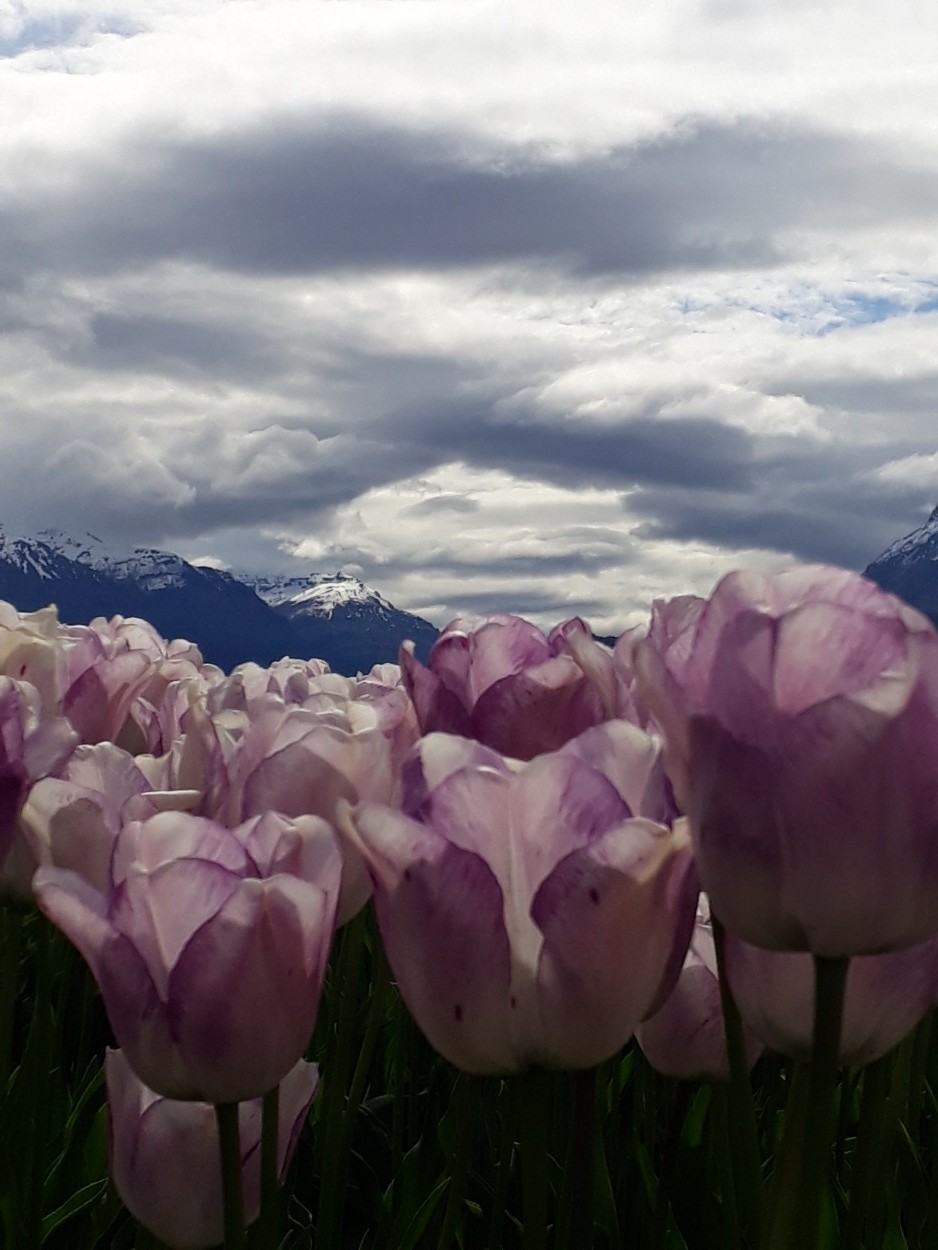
497, 303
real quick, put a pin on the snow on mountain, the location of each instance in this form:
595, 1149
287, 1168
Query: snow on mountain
318, 594
909, 568
151, 568
332, 616
921, 544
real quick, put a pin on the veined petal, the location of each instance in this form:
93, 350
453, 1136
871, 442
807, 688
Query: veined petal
440, 910
609, 935
260, 958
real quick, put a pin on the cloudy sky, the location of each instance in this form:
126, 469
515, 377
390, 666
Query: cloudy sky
499, 304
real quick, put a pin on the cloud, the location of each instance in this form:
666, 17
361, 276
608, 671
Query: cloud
347, 193
558, 321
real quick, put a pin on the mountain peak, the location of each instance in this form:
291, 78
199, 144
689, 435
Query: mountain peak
909, 568
333, 616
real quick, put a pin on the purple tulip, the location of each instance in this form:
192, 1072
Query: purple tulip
532, 914
29, 749
72, 821
507, 685
886, 996
209, 946
686, 1038
165, 1157
801, 714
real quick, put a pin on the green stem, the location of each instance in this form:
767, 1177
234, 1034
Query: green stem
503, 1168
37, 1066
815, 1131
459, 1159
720, 1140
270, 1189
334, 1154
533, 1094
869, 1134
923, 1038
576, 1218
226, 1113
744, 1136
12, 922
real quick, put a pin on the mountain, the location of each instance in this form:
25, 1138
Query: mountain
909, 568
343, 617
231, 619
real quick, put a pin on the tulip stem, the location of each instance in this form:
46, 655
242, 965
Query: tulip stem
226, 1113
869, 1135
575, 1226
270, 1194
533, 1090
744, 1136
37, 1065
798, 1216
465, 1104
333, 1134
12, 939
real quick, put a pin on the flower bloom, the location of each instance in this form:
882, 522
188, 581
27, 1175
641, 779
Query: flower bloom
885, 998
532, 914
686, 1038
165, 1156
209, 946
30, 748
507, 685
801, 716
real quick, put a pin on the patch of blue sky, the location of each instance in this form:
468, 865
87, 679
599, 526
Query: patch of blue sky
814, 313
61, 31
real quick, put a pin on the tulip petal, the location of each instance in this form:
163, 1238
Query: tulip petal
260, 958
438, 708
608, 937
440, 910
537, 710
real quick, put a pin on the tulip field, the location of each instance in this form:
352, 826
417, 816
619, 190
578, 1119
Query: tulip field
543, 945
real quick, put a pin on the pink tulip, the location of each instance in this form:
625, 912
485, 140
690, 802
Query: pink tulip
30, 748
209, 946
532, 914
801, 715
886, 997
72, 821
506, 684
686, 1038
165, 1155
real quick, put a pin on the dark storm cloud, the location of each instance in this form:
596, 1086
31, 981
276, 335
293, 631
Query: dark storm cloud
176, 346
527, 601
291, 198
835, 511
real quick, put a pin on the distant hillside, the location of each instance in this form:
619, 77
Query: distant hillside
909, 568
334, 618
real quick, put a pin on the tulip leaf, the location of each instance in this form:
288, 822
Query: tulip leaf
76, 1204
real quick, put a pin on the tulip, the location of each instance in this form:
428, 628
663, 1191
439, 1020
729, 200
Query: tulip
801, 716
885, 998
294, 760
686, 1037
506, 684
71, 821
165, 1157
30, 748
532, 913
209, 946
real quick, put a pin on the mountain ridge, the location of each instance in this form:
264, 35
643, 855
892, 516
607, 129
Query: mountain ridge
909, 568
335, 617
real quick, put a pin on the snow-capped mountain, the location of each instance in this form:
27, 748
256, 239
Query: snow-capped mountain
232, 619
909, 568
350, 617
